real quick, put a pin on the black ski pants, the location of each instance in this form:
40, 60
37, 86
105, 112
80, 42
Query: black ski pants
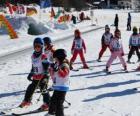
56, 103
31, 89
132, 50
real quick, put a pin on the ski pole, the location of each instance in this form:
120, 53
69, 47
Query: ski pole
42, 91
68, 102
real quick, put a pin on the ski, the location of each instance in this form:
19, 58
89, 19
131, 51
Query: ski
116, 72
75, 70
7, 111
30, 112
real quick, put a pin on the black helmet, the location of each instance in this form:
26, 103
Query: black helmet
107, 27
135, 30
38, 41
47, 40
60, 54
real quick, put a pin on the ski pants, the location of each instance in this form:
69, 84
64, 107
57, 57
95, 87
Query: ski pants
56, 103
103, 49
113, 56
132, 50
81, 54
31, 89
128, 26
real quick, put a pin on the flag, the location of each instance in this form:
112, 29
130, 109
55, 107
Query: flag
45, 3
10, 7
52, 12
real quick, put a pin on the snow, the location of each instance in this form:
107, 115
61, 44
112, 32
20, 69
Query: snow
92, 92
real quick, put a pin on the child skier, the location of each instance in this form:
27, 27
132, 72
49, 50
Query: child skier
49, 49
60, 82
116, 50
39, 75
77, 48
106, 38
134, 44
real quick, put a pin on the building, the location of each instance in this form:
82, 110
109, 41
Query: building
133, 4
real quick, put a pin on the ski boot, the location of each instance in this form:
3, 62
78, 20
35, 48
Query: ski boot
25, 104
44, 107
98, 60
85, 66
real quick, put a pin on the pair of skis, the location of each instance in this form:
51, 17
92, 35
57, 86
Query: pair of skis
9, 112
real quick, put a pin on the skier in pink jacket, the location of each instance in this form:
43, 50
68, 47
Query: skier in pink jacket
116, 51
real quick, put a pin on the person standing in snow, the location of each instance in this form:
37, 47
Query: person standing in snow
105, 41
129, 22
73, 18
77, 48
134, 44
116, 50
116, 21
39, 75
49, 49
60, 86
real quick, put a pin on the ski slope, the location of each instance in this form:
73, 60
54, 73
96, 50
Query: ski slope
92, 92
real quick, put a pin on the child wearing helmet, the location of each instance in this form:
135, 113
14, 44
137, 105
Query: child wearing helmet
49, 48
116, 51
134, 44
105, 41
77, 48
60, 79
38, 76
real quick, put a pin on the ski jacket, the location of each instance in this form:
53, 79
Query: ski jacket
106, 38
49, 52
61, 78
37, 67
134, 40
116, 45
78, 44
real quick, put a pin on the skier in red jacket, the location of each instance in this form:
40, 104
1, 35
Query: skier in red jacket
77, 48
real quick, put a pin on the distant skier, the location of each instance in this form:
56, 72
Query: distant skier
77, 48
105, 41
39, 75
49, 49
129, 22
134, 44
116, 51
73, 18
116, 21
60, 86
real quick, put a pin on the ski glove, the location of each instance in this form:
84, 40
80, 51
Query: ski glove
54, 67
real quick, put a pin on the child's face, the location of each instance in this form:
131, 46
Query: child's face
107, 30
117, 34
46, 45
37, 47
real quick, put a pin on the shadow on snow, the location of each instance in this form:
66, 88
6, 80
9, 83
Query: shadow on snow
113, 94
12, 94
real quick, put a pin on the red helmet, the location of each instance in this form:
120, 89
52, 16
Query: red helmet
77, 32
